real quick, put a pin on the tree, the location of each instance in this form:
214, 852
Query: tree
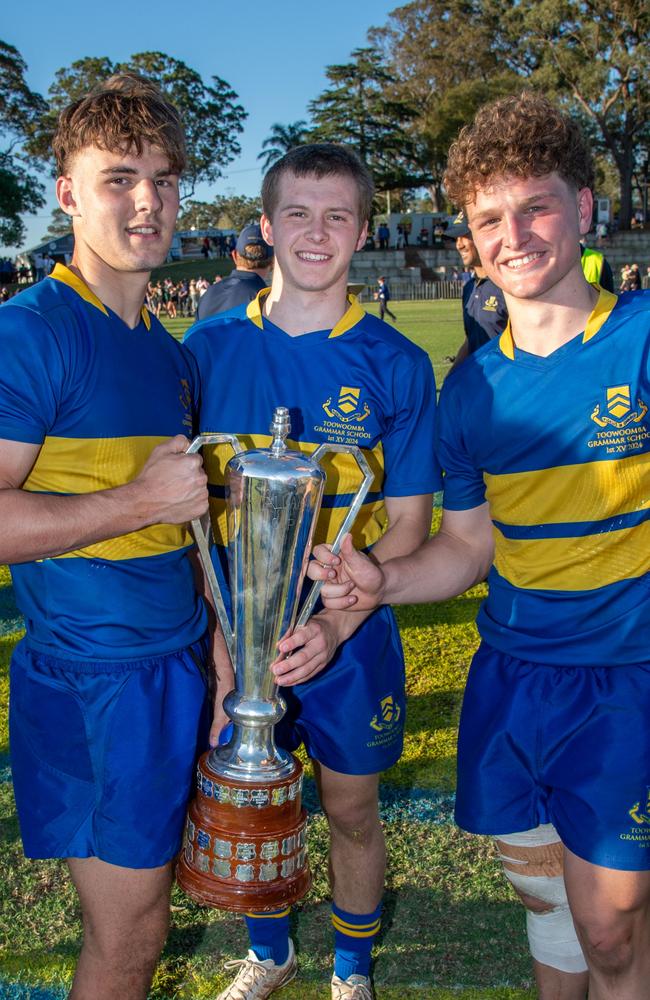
20, 191
593, 57
281, 139
60, 225
358, 109
211, 117
231, 211
442, 85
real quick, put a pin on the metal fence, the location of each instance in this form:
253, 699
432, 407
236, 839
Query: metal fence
411, 290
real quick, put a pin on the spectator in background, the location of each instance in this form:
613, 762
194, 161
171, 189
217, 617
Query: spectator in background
484, 309
253, 259
383, 297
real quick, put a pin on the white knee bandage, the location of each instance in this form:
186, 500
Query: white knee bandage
533, 863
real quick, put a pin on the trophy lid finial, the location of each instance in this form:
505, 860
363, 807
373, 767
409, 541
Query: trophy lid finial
280, 428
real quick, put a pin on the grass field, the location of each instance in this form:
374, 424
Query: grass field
451, 928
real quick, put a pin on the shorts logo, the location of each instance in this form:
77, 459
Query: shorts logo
637, 815
388, 715
491, 305
347, 406
618, 402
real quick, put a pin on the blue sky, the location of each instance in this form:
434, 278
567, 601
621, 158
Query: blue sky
273, 54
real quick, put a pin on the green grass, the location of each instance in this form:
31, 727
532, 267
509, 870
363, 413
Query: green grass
451, 929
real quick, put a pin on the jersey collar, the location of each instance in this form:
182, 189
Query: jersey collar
598, 316
353, 314
67, 277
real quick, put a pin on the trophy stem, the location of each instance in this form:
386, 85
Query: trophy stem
250, 756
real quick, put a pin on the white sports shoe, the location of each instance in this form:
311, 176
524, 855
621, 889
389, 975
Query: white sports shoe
258, 979
352, 988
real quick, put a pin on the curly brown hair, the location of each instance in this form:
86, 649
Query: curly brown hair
121, 114
525, 135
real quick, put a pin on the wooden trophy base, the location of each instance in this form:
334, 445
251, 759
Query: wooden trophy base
244, 847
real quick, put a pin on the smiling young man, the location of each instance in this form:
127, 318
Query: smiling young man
108, 688
484, 309
346, 378
544, 437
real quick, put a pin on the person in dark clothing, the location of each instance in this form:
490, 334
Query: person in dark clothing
484, 310
383, 296
253, 259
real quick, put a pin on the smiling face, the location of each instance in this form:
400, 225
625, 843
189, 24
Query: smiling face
527, 233
468, 252
315, 230
123, 207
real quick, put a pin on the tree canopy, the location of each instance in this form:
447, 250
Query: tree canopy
361, 107
281, 139
211, 116
231, 211
20, 191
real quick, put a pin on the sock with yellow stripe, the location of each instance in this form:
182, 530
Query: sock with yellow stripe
269, 934
354, 936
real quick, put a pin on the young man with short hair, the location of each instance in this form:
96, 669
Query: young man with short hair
108, 687
544, 436
347, 378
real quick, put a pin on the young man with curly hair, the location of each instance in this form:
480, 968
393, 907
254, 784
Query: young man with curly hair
108, 687
544, 436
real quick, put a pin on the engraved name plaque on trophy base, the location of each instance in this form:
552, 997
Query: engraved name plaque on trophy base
244, 846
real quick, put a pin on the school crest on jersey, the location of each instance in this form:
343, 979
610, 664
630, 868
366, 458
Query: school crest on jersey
185, 399
491, 304
617, 409
348, 406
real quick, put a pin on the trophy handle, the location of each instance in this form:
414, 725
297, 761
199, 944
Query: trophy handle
203, 541
360, 496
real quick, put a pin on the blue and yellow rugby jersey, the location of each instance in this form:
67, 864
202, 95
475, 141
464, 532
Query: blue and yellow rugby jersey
98, 397
361, 383
560, 448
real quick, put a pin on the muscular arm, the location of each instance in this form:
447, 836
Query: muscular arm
459, 556
309, 649
170, 489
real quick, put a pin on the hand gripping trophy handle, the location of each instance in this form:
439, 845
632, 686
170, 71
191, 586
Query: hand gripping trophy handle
202, 537
355, 507
244, 846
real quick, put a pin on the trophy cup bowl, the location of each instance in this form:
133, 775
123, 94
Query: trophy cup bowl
244, 846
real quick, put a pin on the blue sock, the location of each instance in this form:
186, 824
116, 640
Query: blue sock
354, 936
269, 934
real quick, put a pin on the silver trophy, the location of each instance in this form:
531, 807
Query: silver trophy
248, 804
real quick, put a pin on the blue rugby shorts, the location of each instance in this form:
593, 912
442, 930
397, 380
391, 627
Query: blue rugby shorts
565, 745
103, 753
351, 716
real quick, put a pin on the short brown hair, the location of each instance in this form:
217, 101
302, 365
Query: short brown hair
524, 136
253, 257
322, 159
121, 114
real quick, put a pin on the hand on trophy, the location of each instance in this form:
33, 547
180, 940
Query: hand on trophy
305, 652
352, 580
172, 487
224, 682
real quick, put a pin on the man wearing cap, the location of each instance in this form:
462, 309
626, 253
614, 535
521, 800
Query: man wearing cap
253, 259
484, 309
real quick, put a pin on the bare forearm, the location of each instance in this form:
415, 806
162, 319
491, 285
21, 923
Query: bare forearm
38, 526
443, 567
